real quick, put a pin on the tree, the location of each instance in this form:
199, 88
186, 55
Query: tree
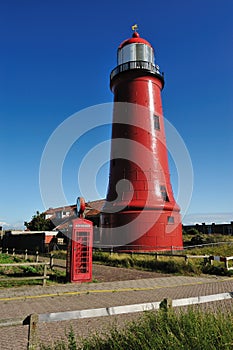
193, 231
39, 223
197, 239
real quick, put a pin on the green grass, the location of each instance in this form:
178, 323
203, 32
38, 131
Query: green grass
14, 271
147, 262
221, 250
169, 264
7, 259
162, 330
55, 276
59, 254
208, 238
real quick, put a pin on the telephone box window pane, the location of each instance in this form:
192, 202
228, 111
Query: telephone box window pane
83, 234
156, 122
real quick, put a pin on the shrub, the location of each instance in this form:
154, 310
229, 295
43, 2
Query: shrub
196, 240
193, 231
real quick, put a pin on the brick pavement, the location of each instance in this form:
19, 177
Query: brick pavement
22, 301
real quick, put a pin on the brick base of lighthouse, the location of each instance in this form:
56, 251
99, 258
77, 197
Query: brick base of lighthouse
148, 230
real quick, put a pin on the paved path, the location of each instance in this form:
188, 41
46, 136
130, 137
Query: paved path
22, 301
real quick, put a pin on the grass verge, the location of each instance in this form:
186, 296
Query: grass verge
11, 272
162, 330
169, 264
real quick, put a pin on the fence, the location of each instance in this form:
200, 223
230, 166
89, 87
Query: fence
222, 259
186, 257
172, 248
207, 258
26, 254
44, 277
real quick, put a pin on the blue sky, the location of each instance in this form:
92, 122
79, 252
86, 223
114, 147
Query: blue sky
56, 57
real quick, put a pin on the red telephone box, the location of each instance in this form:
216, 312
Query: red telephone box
79, 251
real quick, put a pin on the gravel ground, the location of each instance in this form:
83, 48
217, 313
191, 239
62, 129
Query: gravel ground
103, 273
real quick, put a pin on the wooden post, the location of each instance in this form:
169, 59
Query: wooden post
37, 256
32, 332
26, 254
13, 251
186, 259
165, 304
226, 263
45, 275
51, 260
6, 250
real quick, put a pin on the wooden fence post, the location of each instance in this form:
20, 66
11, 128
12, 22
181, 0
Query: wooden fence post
32, 332
37, 256
26, 254
45, 275
51, 260
211, 260
13, 251
165, 304
6, 250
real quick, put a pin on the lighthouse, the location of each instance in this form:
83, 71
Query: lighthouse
140, 212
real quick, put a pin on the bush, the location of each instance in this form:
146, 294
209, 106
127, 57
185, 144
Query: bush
193, 231
196, 240
215, 270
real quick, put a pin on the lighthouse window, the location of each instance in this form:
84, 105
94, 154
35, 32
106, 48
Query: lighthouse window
164, 193
156, 122
170, 219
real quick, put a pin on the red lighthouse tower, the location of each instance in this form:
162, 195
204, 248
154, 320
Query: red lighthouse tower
140, 212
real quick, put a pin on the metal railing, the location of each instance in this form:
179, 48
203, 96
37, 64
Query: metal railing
148, 66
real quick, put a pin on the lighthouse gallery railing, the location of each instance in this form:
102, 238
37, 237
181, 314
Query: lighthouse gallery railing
148, 66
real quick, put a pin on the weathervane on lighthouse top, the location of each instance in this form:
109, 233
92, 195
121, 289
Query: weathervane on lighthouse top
134, 28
